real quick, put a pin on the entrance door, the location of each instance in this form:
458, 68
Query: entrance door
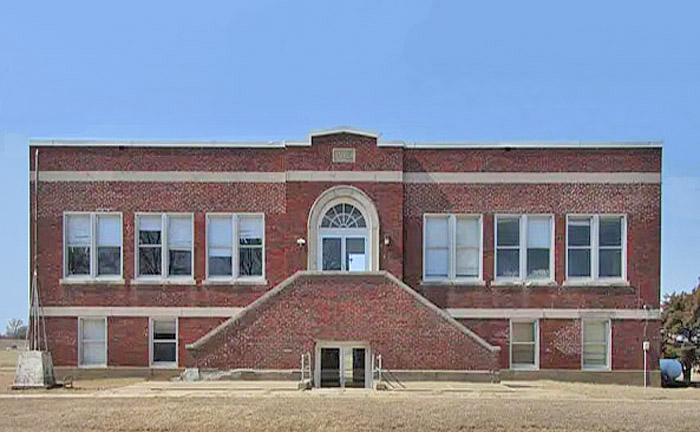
330, 367
342, 239
354, 367
343, 252
343, 366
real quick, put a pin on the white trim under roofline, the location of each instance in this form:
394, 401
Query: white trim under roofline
531, 145
87, 142
160, 143
459, 313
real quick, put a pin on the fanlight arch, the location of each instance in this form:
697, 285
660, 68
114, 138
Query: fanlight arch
343, 207
343, 215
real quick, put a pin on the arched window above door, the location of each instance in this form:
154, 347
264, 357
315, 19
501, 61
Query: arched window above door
343, 216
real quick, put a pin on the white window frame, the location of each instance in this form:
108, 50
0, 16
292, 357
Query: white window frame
608, 356
452, 247
235, 249
595, 249
522, 248
343, 234
165, 251
525, 366
151, 327
80, 343
92, 276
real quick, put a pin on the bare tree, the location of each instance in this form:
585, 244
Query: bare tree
13, 328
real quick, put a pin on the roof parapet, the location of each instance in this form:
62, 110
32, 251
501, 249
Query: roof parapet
567, 144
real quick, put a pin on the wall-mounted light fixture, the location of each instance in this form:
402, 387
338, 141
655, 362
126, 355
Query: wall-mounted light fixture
301, 242
387, 240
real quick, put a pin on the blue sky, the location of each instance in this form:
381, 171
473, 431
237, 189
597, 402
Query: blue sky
595, 70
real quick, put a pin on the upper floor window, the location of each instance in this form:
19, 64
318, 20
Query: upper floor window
596, 247
524, 247
164, 246
92, 245
452, 247
235, 246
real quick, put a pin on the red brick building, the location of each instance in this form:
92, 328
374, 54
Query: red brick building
535, 259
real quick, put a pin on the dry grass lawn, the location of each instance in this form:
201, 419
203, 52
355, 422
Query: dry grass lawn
345, 412
8, 358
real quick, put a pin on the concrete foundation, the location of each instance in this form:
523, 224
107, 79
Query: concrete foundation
117, 372
623, 377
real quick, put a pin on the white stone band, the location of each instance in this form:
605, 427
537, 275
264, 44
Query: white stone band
459, 313
350, 176
620, 314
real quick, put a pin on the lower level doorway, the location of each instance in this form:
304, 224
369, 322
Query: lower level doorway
344, 365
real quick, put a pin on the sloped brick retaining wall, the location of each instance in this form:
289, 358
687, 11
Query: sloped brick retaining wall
409, 332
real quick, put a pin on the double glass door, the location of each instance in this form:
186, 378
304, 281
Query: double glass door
344, 252
343, 367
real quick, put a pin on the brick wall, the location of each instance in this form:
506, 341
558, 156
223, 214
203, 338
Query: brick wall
560, 344
494, 331
532, 160
628, 336
129, 198
368, 157
157, 159
189, 331
400, 207
407, 334
640, 202
62, 335
388, 199
128, 341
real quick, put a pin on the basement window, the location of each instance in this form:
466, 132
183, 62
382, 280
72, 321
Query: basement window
524, 344
596, 344
92, 245
452, 247
92, 342
164, 246
164, 342
524, 248
235, 246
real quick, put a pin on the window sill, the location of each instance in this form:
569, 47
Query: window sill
453, 282
163, 366
596, 283
524, 283
524, 367
170, 281
74, 281
102, 366
596, 369
234, 282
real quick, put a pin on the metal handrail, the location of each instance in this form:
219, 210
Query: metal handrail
305, 365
